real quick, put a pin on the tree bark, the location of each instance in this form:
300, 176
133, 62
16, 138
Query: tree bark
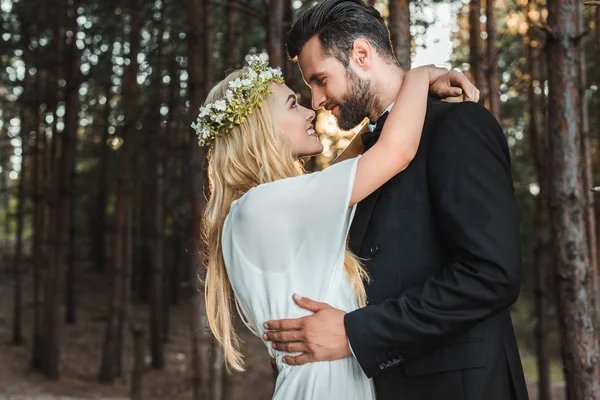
137, 373
17, 331
156, 242
5, 190
125, 186
218, 375
475, 45
493, 74
4, 164
597, 114
70, 284
538, 149
111, 366
399, 25
51, 316
51, 187
588, 178
232, 50
207, 19
575, 279
275, 34
201, 343
99, 227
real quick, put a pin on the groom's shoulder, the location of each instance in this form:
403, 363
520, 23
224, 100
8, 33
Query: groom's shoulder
444, 114
439, 109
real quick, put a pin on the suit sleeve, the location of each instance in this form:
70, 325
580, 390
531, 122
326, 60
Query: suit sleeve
476, 212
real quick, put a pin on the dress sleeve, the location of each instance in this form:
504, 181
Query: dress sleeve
274, 222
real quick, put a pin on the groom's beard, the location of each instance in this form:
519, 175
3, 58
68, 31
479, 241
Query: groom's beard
359, 101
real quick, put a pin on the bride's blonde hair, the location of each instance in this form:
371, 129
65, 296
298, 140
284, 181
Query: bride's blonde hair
251, 154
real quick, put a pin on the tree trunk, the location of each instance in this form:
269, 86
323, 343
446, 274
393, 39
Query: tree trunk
137, 373
493, 74
51, 316
399, 25
201, 343
218, 375
131, 100
172, 269
40, 265
597, 114
99, 226
537, 146
475, 46
208, 47
4, 188
588, 177
575, 285
275, 34
111, 366
232, 55
39, 229
156, 242
17, 332
70, 304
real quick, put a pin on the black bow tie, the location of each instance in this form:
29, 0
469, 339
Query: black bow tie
370, 138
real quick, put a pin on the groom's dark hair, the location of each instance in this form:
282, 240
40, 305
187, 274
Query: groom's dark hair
338, 23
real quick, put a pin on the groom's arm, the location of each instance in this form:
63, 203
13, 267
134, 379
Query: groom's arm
475, 208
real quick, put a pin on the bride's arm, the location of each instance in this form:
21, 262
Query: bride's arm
399, 140
451, 84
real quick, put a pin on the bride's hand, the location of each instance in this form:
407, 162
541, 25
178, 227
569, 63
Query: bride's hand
444, 83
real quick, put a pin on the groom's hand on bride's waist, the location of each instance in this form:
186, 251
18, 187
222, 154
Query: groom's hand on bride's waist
319, 337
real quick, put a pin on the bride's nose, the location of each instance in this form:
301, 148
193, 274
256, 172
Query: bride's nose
310, 115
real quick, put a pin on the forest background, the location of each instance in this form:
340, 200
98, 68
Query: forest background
101, 182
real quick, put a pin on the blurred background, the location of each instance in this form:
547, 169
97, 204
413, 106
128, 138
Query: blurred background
101, 182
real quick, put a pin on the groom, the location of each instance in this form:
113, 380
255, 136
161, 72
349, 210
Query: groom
441, 239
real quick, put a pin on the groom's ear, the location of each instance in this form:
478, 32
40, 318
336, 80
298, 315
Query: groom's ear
362, 54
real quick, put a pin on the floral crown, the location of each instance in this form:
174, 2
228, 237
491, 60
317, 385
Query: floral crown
243, 97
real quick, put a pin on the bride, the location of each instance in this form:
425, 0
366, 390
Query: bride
272, 230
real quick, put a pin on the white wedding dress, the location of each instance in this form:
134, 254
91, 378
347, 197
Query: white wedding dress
288, 237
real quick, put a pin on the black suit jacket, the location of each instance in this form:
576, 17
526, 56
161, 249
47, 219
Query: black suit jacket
441, 243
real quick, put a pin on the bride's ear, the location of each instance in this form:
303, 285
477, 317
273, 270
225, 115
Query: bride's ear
362, 54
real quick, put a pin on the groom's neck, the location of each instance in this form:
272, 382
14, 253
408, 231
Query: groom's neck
389, 83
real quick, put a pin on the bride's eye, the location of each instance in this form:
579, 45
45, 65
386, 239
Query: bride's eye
294, 104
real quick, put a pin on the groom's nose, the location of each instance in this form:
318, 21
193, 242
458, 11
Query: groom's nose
318, 98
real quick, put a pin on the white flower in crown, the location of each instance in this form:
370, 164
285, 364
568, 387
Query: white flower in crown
229, 95
265, 75
204, 112
205, 133
220, 105
236, 84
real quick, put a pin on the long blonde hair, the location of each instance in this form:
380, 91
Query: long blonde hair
251, 154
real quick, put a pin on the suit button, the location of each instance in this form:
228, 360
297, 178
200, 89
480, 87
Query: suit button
374, 249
